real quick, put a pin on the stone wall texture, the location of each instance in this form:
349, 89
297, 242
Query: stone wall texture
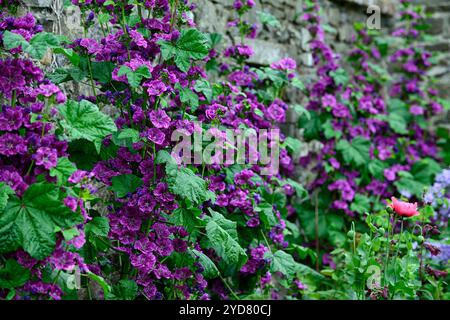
288, 39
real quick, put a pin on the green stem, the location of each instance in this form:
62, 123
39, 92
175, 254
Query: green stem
13, 98
91, 78
125, 29
154, 162
388, 247
56, 277
265, 240
400, 238
174, 12
228, 287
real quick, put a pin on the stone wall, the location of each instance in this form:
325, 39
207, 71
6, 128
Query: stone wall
289, 39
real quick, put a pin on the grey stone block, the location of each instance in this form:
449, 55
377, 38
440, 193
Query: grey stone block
266, 52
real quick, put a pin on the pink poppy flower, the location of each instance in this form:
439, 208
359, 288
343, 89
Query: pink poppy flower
404, 209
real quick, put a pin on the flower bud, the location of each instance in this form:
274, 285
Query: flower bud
351, 234
420, 239
381, 231
389, 210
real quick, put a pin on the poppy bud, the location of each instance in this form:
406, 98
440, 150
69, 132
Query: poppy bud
381, 231
420, 239
389, 210
351, 234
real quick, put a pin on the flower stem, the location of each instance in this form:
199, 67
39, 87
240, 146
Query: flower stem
388, 247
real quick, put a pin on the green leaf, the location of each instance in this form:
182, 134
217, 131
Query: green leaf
129, 133
268, 19
126, 137
73, 57
329, 131
266, 214
297, 83
376, 168
301, 110
71, 233
83, 120
360, 204
293, 145
397, 123
188, 218
192, 44
285, 263
125, 183
125, 290
98, 226
356, 152
204, 87
36, 48
135, 77
164, 157
188, 97
425, 170
5, 192
184, 183
408, 183
214, 39
13, 275
102, 71
58, 76
223, 238
300, 191
340, 76
211, 270
101, 282
310, 124
13, 40
63, 170
33, 220
420, 176
104, 18
40, 43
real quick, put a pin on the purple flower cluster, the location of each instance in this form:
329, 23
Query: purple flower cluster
29, 149
140, 222
439, 197
358, 110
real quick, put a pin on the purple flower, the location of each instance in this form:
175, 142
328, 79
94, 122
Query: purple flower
276, 113
244, 50
341, 111
77, 176
329, 100
138, 38
144, 262
416, 110
12, 144
46, 157
78, 241
300, 285
334, 163
243, 177
253, 222
155, 135
284, 64
91, 45
71, 203
160, 119
11, 119
155, 87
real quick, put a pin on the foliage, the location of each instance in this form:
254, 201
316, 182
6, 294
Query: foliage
96, 183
